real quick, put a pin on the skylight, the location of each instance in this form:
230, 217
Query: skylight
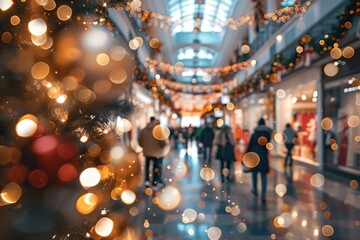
207, 15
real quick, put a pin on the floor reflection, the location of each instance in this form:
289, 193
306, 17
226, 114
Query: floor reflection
294, 210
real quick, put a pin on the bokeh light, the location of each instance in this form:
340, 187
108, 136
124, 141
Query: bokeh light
336, 53
241, 227
10, 194
353, 121
327, 123
40, 70
90, 177
37, 27
317, 180
354, 184
117, 53
331, 69
38, 178
169, 198
104, 226
189, 215
6, 4
280, 93
161, 132
64, 12
15, 20
251, 159
207, 174
214, 233
128, 197
245, 49
67, 172
280, 190
348, 52
327, 230
86, 203
102, 59
118, 76
26, 126
123, 125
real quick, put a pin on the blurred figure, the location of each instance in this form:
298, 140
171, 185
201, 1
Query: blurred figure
154, 150
206, 138
238, 133
290, 138
225, 153
260, 149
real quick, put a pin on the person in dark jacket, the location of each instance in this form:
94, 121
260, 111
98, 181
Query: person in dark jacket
257, 144
206, 138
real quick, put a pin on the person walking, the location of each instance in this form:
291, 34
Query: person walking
290, 138
225, 152
154, 151
206, 138
257, 145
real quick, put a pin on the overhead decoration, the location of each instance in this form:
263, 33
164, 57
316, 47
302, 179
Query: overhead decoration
179, 68
154, 19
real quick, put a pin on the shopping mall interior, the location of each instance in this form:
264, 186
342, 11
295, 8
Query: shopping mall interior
179, 119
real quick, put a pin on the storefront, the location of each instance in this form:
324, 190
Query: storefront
341, 119
296, 103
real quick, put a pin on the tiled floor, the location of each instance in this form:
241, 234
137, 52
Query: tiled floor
330, 211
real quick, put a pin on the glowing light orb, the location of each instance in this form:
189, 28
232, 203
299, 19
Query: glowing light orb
161, 132
327, 230
241, 227
348, 52
86, 203
118, 76
169, 198
245, 49
317, 180
189, 215
280, 190
64, 12
123, 125
10, 194
37, 27
6, 4
26, 126
251, 159
327, 123
281, 93
214, 233
102, 59
336, 53
104, 227
40, 70
128, 197
207, 174
331, 69
117, 53
90, 177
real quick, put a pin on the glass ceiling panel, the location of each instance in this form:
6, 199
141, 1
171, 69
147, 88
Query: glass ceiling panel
213, 14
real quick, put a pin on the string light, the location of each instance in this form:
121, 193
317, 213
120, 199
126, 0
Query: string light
154, 19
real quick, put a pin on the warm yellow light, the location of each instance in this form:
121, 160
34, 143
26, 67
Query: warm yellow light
123, 125
90, 177
37, 27
161, 132
40, 70
6, 4
26, 126
118, 76
86, 203
104, 227
336, 53
39, 40
14, 20
251, 159
348, 52
10, 194
102, 59
64, 12
207, 174
61, 99
128, 197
